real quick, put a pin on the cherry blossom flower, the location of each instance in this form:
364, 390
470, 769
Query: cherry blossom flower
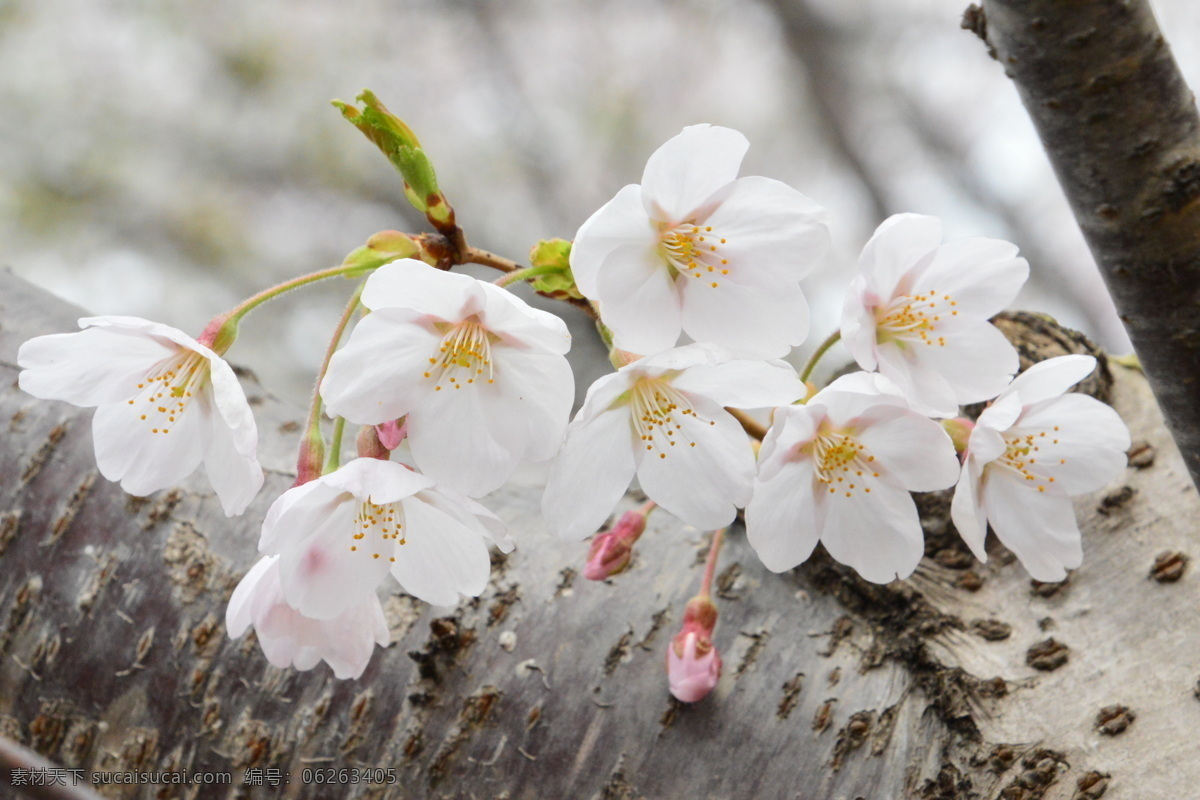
480, 375
918, 312
839, 469
290, 639
164, 405
696, 249
338, 536
1031, 450
663, 418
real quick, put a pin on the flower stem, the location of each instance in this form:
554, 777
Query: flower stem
525, 273
335, 447
314, 409
749, 424
820, 351
710, 566
251, 303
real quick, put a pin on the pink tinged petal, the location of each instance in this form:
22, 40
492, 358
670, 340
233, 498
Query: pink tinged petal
349, 641
232, 461
985, 444
129, 450
780, 519
769, 232
902, 244
743, 384
412, 284
536, 393
792, 427
681, 175
977, 361
1038, 527
982, 276
967, 512
878, 534
914, 449
91, 367
620, 222
638, 300
750, 321
519, 324
858, 324
703, 485
319, 498
999, 416
379, 374
238, 614
442, 557
379, 481
1050, 378
590, 474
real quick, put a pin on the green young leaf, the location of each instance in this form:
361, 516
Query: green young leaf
552, 258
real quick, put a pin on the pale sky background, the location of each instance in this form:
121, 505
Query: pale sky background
165, 158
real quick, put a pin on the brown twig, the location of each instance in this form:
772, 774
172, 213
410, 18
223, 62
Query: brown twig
748, 423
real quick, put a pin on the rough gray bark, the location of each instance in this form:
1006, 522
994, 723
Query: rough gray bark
1121, 130
114, 654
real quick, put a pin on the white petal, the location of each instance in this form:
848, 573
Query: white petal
750, 321
130, 451
591, 473
985, 444
966, 510
1038, 527
913, 448
91, 367
1077, 440
982, 275
380, 481
538, 390
999, 416
1050, 378
620, 222
772, 232
606, 389
442, 557
412, 284
472, 514
379, 374
273, 536
682, 174
519, 324
921, 382
878, 534
680, 358
743, 384
792, 427
858, 324
232, 461
238, 616
638, 300
977, 361
780, 523
900, 245
703, 485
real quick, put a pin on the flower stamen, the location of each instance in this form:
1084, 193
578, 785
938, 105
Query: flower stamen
688, 251
166, 389
464, 355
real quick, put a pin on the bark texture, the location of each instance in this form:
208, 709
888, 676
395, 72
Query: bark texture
1121, 130
964, 682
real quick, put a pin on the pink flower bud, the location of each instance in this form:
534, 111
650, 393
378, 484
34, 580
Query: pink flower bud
611, 551
392, 433
311, 461
693, 663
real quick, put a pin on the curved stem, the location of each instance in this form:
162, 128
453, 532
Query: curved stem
314, 409
749, 424
820, 351
475, 255
335, 447
710, 566
251, 303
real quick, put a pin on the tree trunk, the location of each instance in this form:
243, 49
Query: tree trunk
965, 681
1121, 130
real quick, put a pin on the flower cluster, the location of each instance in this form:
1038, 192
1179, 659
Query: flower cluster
694, 277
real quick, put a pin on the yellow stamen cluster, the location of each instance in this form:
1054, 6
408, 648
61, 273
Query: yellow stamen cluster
163, 395
841, 462
692, 250
464, 355
1022, 452
658, 408
914, 318
382, 523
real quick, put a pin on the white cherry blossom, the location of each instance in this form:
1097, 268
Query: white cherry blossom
918, 312
839, 470
480, 374
290, 639
165, 404
663, 418
1030, 451
339, 535
696, 249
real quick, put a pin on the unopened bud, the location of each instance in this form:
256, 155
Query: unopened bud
369, 445
219, 334
382, 248
959, 429
612, 550
693, 663
310, 463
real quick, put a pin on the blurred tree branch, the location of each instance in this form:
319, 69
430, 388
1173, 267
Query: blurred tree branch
1121, 130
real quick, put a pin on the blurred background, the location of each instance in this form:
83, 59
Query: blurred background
166, 158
